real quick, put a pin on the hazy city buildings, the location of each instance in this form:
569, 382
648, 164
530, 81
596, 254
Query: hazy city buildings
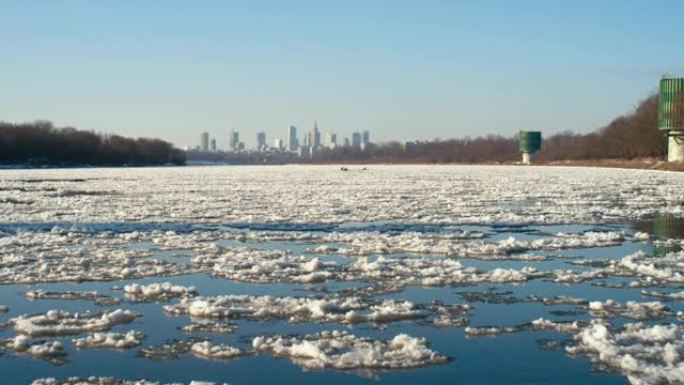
204, 141
356, 139
261, 141
315, 138
234, 140
311, 143
331, 140
292, 138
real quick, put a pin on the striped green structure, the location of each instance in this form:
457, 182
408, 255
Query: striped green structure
529, 141
666, 226
671, 105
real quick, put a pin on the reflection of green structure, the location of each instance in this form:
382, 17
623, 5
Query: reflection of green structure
529, 142
666, 226
671, 116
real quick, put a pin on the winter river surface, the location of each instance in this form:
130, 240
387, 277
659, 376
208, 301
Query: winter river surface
310, 274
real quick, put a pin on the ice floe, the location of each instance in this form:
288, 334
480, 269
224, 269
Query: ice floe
540, 324
97, 298
340, 350
296, 309
59, 323
113, 340
645, 354
107, 381
218, 327
207, 349
632, 310
158, 291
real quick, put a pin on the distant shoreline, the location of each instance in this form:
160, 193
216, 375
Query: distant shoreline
634, 164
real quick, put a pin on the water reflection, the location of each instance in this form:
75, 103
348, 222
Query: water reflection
664, 227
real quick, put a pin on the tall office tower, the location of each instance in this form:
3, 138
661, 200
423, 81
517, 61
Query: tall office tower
315, 140
366, 137
213, 145
332, 140
292, 138
346, 142
234, 141
356, 139
261, 141
204, 141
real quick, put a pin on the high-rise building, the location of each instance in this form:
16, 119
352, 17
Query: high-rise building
331, 140
346, 142
204, 141
356, 139
261, 141
292, 138
213, 144
366, 137
234, 141
278, 144
315, 139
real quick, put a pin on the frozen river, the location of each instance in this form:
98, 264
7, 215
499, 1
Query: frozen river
310, 274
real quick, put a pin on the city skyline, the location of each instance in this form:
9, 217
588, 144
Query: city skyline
408, 71
302, 139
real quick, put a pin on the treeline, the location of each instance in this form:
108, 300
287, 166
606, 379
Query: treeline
635, 135
40, 143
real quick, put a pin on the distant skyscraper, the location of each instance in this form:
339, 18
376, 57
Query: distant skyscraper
332, 140
356, 139
366, 137
292, 138
315, 140
213, 145
278, 144
261, 141
234, 141
204, 141
346, 142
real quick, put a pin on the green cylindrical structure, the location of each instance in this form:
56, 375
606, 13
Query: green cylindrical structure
529, 141
671, 104
671, 116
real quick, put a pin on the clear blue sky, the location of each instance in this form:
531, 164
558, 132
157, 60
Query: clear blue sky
401, 69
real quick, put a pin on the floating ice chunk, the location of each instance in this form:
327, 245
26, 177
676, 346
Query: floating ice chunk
158, 291
539, 324
632, 310
645, 354
170, 350
112, 340
339, 350
107, 381
56, 323
449, 315
210, 327
99, 299
51, 351
676, 296
222, 352
641, 236
293, 309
